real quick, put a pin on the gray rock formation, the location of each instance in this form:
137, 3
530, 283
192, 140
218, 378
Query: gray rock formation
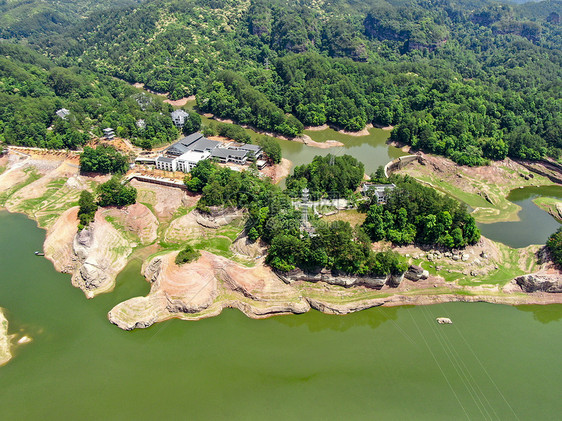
342, 280
415, 273
544, 283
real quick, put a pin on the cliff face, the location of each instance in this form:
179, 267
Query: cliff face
95, 255
551, 283
339, 279
202, 289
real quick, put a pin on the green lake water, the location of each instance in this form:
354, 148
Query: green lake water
371, 149
535, 225
494, 362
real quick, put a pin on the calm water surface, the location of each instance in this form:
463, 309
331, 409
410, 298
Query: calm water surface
534, 226
383, 363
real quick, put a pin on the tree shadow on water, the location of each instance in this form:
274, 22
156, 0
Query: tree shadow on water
543, 313
317, 321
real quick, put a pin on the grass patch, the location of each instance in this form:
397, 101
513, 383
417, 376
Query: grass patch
352, 216
217, 245
32, 176
188, 254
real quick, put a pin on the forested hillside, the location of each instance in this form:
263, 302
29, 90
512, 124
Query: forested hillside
33, 88
472, 80
21, 18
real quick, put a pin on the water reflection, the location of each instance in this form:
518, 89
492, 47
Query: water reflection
543, 313
316, 321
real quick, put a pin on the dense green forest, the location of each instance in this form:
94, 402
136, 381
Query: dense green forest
274, 219
473, 80
103, 159
327, 175
414, 213
21, 18
33, 88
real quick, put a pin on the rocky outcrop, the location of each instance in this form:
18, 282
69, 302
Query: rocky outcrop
218, 217
136, 219
101, 252
95, 255
196, 224
415, 273
5, 354
540, 282
58, 245
247, 248
331, 278
203, 288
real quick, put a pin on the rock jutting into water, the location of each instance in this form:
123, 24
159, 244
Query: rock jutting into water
202, 289
95, 255
5, 354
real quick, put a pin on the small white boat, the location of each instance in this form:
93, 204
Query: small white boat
444, 321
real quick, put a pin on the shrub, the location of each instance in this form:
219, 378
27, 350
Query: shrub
187, 255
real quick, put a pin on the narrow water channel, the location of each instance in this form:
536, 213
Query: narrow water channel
534, 226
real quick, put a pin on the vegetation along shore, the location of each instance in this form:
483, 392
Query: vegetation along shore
236, 267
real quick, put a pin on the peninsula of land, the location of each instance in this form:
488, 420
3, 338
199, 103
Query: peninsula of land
231, 271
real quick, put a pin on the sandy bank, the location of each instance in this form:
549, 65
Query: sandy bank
307, 140
363, 132
180, 102
278, 171
5, 354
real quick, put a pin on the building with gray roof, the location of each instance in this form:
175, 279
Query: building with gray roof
63, 113
179, 117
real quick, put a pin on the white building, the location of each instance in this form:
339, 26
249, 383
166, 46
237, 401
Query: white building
188, 160
187, 152
179, 117
63, 113
165, 163
184, 162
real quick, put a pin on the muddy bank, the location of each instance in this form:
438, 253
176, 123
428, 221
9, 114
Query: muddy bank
278, 172
307, 140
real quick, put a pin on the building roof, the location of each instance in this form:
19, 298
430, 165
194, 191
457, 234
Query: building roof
164, 159
249, 147
204, 144
183, 145
225, 153
179, 113
62, 113
377, 187
192, 156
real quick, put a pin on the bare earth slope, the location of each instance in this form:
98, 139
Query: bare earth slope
203, 288
47, 190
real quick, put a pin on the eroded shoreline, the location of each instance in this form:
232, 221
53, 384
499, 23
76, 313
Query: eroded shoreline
233, 277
